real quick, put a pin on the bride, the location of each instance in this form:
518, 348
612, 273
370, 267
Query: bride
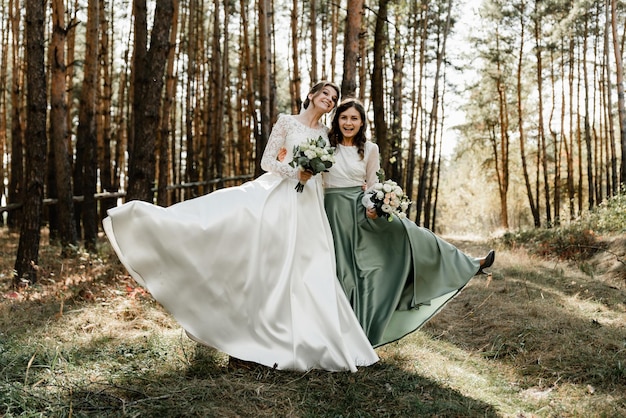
250, 270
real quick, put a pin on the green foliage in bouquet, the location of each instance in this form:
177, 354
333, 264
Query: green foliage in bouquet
313, 155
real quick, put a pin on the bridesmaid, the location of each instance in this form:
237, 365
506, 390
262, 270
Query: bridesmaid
396, 274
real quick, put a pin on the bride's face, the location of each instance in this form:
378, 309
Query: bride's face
350, 123
326, 99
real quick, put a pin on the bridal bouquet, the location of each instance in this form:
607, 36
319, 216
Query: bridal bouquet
313, 155
389, 200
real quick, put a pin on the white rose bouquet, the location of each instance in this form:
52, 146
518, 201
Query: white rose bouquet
314, 155
389, 200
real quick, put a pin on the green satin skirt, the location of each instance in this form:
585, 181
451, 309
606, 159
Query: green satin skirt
395, 274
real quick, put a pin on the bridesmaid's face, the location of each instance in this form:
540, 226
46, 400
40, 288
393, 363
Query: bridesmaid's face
350, 123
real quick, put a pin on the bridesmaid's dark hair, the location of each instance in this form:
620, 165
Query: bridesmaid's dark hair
334, 135
317, 88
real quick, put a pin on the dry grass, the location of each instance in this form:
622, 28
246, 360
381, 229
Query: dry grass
541, 338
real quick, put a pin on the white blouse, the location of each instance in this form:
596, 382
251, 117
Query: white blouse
349, 170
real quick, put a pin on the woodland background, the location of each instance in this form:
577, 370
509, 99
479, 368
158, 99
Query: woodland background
104, 101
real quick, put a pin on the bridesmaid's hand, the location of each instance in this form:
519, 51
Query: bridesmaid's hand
371, 213
282, 153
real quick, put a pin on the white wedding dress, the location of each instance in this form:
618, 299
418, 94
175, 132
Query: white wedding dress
249, 270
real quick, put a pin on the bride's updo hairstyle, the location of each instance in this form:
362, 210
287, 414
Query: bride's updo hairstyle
317, 88
334, 135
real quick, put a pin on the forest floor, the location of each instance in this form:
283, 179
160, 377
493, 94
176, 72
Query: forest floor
540, 337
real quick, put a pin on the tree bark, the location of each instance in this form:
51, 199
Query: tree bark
86, 139
354, 20
26, 264
543, 151
295, 85
432, 123
264, 81
104, 127
416, 93
148, 90
17, 179
165, 130
614, 176
378, 85
619, 84
313, 33
587, 127
59, 132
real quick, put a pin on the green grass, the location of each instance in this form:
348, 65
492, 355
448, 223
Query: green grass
542, 337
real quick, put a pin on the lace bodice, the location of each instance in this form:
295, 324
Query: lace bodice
288, 132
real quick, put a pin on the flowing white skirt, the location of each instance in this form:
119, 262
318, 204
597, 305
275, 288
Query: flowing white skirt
248, 270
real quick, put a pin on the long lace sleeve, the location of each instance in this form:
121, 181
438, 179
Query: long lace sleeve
372, 166
276, 141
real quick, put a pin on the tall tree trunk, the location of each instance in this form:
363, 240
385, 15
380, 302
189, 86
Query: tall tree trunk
149, 87
249, 90
264, 81
85, 170
296, 100
59, 132
555, 139
354, 19
313, 23
587, 116
543, 151
363, 65
215, 123
121, 123
27, 260
16, 180
105, 127
378, 85
4, 88
614, 179
334, 31
432, 123
520, 123
192, 171
165, 130
621, 106
571, 190
416, 93
502, 159
397, 100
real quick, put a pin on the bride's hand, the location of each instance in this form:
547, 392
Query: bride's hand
282, 153
304, 176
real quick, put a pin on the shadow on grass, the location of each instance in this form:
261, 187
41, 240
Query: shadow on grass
208, 387
551, 326
152, 384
